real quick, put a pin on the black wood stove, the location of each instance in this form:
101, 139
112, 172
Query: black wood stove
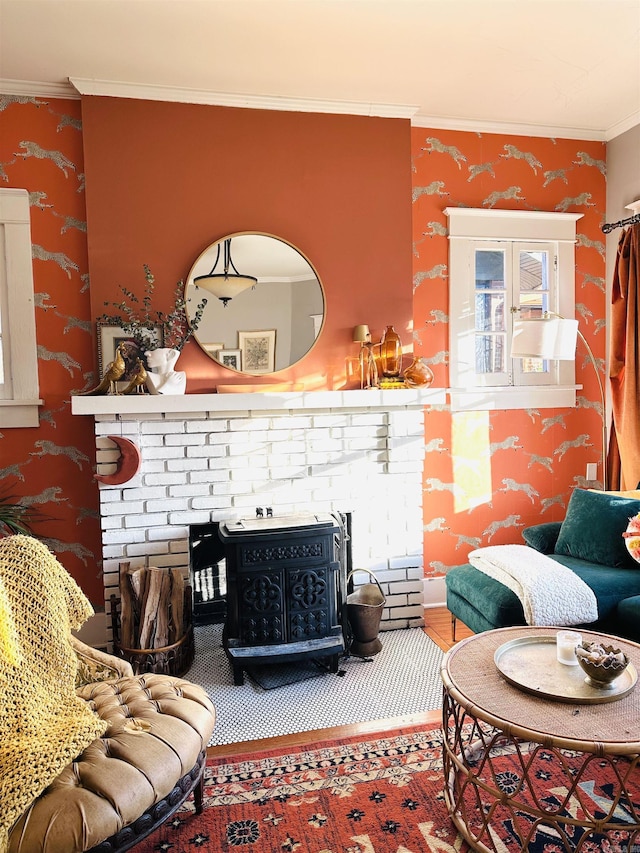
286, 589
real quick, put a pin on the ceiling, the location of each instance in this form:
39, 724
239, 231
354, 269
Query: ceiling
543, 67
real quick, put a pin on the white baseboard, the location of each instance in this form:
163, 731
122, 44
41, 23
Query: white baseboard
435, 592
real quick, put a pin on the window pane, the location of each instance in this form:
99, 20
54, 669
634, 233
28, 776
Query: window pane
490, 354
490, 301
534, 282
490, 269
534, 297
490, 312
534, 365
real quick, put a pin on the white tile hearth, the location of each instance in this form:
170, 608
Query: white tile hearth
404, 678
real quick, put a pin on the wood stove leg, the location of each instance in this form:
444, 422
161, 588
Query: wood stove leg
238, 676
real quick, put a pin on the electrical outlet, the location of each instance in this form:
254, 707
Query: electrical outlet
592, 470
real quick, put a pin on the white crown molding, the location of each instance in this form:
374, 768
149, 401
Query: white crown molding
81, 86
508, 128
622, 126
151, 92
33, 89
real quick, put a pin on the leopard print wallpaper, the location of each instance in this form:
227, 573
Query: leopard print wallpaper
50, 467
489, 474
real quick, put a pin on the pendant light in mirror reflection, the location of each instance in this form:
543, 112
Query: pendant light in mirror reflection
225, 284
270, 290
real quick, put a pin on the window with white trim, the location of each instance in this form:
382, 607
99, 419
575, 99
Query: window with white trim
18, 351
506, 265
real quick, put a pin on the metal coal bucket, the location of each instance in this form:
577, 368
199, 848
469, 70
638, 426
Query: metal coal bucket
364, 610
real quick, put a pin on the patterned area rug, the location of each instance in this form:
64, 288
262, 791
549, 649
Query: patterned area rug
379, 795
403, 678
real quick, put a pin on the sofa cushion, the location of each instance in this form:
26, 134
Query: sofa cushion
628, 616
497, 604
610, 585
542, 537
593, 527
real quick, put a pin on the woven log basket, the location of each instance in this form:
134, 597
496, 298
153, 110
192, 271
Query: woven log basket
166, 660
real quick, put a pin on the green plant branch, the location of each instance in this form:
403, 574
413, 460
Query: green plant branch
17, 516
138, 320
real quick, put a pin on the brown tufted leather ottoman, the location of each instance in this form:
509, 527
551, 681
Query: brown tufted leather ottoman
131, 780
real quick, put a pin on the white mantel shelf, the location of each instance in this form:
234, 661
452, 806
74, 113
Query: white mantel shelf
141, 405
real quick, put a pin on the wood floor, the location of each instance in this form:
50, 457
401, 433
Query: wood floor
437, 626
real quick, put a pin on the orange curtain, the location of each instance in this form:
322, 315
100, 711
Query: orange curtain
624, 367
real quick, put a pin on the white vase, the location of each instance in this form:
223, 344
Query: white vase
161, 377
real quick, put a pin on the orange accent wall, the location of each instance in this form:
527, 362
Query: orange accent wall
164, 180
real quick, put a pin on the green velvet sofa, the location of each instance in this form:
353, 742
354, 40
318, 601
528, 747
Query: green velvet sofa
589, 541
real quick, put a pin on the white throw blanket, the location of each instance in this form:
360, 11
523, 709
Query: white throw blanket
551, 594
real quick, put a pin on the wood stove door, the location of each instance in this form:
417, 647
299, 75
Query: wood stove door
287, 605
261, 607
311, 602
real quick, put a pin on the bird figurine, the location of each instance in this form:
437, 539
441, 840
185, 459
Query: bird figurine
138, 380
115, 370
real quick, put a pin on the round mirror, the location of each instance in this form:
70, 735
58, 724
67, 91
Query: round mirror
265, 304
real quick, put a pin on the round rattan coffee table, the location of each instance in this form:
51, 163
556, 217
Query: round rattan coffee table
546, 774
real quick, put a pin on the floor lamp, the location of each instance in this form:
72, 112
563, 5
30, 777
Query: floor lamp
555, 337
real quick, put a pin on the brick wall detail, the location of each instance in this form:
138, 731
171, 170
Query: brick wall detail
204, 466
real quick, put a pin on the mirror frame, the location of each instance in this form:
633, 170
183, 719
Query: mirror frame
190, 281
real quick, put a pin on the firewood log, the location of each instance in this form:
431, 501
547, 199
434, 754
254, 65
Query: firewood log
154, 618
127, 608
152, 602
176, 620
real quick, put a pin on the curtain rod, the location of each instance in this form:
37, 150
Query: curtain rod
630, 220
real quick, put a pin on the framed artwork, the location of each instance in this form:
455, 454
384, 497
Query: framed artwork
109, 337
229, 358
212, 349
258, 351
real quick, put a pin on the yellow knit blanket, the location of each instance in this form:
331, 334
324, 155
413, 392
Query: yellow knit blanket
43, 724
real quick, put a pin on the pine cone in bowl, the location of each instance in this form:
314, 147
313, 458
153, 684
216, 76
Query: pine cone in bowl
602, 663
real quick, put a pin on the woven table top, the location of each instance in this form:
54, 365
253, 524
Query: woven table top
472, 679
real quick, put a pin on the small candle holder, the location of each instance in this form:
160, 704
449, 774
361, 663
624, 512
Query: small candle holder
566, 643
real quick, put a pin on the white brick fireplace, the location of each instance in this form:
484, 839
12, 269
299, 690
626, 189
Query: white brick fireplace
213, 457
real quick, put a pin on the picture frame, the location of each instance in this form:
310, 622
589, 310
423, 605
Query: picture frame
231, 358
212, 349
109, 338
258, 350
